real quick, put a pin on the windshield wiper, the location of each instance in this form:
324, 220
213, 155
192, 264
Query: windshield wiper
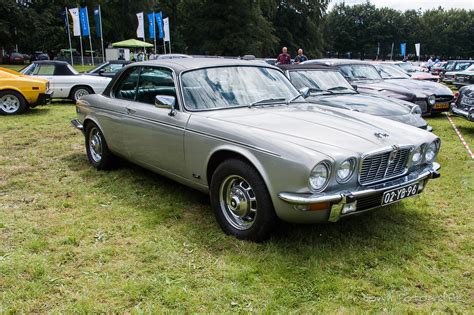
267, 101
293, 99
338, 88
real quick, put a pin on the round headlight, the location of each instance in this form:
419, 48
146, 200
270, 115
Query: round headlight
345, 170
432, 99
430, 152
319, 176
417, 156
416, 110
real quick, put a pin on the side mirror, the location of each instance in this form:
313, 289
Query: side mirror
354, 86
166, 101
305, 92
101, 71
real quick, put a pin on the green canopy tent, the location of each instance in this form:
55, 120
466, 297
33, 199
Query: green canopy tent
132, 43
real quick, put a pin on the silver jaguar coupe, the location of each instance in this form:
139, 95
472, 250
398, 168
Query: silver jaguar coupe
240, 131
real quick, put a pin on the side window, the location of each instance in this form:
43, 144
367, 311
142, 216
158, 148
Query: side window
155, 81
127, 86
44, 70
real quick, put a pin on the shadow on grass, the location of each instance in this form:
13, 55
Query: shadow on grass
467, 130
36, 111
389, 228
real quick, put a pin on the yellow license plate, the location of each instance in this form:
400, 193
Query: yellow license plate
441, 106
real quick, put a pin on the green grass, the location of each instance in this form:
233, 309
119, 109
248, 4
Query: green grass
73, 239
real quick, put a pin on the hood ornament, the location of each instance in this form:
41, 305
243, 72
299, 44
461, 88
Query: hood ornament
381, 135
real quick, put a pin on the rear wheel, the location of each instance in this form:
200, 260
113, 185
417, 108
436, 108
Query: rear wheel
241, 202
12, 103
97, 150
79, 91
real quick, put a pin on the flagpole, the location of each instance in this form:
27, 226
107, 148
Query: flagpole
101, 35
69, 35
90, 38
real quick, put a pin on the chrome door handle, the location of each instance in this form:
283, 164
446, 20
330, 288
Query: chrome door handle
130, 110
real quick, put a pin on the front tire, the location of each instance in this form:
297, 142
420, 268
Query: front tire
98, 152
12, 103
241, 202
79, 91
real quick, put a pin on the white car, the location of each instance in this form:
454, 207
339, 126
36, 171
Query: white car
65, 81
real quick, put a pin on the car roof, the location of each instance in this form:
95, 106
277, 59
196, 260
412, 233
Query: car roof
183, 64
51, 62
118, 61
336, 62
309, 66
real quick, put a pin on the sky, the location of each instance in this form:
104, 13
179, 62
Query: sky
413, 4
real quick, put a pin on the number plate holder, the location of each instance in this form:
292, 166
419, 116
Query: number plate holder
398, 194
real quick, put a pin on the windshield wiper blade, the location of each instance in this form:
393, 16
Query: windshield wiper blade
293, 99
267, 101
337, 88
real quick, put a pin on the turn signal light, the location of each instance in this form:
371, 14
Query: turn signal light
319, 206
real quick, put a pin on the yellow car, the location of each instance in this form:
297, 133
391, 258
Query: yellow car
19, 92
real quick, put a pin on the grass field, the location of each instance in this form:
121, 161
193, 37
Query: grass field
73, 239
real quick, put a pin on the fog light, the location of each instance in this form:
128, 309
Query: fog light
349, 207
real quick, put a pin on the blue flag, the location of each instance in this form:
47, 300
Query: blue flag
84, 21
403, 49
159, 23
151, 25
97, 17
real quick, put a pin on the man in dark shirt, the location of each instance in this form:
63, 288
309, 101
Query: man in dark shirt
284, 58
300, 58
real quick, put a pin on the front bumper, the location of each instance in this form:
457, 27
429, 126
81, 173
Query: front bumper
77, 124
44, 98
368, 198
466, 113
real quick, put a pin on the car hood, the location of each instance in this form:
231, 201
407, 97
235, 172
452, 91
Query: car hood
13, 75
363, 103
422, 87
380, 87
320, 128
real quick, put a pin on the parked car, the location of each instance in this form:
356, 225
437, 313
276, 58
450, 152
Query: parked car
39, 55
408, 67
452, 67
65, 81
465, 77
414, 72
328, 87
367, 79
16, 59
109, 68
19, 92
240, 131
464, 104
442, 94
438, 68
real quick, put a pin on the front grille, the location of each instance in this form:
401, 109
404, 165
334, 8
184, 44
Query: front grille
369, 202
444, 98
382, 166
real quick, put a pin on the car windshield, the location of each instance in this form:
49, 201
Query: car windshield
321, 81
391, 72
461, 66
360, 72
235, 86
471, 68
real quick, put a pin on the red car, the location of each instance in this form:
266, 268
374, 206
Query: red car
17, 59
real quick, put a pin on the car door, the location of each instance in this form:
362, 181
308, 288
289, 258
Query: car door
154, 136
45, 71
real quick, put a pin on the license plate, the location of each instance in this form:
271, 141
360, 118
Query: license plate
441, 106
461, 79
395, 195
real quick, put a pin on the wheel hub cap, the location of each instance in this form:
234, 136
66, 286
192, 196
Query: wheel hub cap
95, 145
10, 103
238, 202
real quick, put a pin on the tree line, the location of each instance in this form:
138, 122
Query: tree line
258, 27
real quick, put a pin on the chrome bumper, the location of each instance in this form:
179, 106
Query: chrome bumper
338, 200
77, 124
469, 115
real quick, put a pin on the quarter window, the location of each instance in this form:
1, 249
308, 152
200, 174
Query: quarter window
44, 70
127, 86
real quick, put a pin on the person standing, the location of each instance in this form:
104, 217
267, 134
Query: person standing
429, 64
301, 57
284, 58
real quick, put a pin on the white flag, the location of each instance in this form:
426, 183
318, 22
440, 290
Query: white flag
141, 26
166, 29
417, 48
76, 22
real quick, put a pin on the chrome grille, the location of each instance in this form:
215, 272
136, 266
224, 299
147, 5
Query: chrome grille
382, 166
444, 98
